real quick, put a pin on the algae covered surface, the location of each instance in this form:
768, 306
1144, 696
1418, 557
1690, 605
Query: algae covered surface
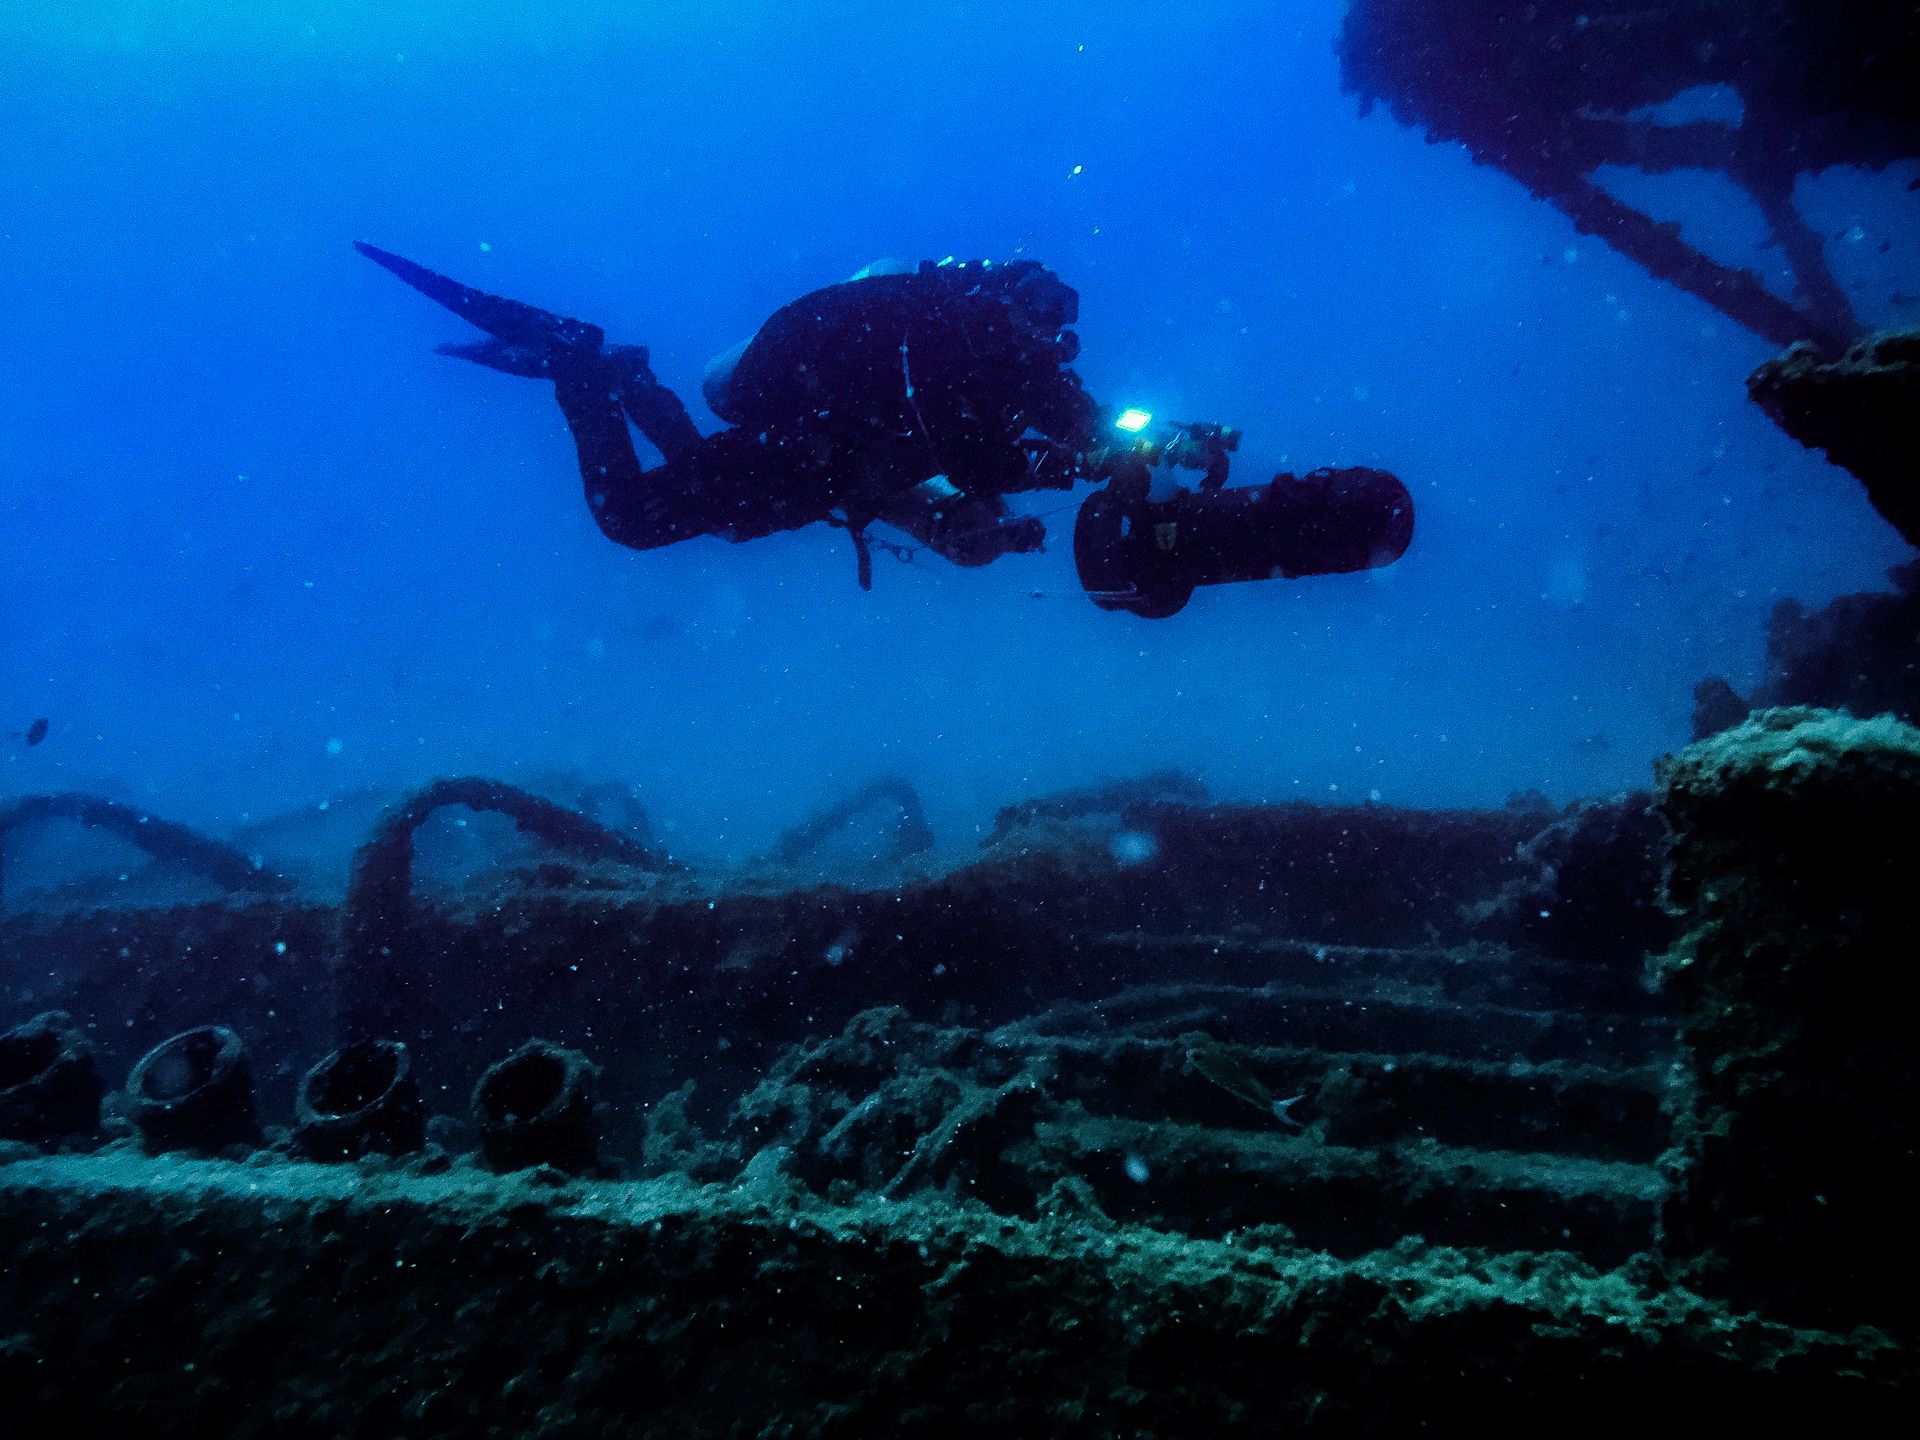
337, 1301
1302, 1187
1793, 859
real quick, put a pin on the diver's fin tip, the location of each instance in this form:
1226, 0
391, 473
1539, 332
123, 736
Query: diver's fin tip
518, 324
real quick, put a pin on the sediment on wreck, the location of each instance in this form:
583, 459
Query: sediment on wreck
1156, 1119
375, 1302
1792, 1159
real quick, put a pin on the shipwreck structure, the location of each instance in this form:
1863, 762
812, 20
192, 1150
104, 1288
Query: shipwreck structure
1160, 1116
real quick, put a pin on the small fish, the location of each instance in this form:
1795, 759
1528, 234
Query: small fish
1227, 1067
37, 731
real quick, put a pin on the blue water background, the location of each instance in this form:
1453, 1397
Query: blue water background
259, 546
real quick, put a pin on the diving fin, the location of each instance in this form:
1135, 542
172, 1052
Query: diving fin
508, 359
520, 326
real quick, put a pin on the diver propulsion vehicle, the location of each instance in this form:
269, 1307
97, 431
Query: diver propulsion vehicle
1144, 547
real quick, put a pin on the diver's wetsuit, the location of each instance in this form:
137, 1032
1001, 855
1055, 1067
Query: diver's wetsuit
844, 405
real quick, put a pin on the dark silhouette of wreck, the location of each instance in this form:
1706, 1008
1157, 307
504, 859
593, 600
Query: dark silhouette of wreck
1553, 91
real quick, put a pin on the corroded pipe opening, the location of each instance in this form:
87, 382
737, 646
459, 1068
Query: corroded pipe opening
49, 1081
195, 1092
360, 1100
536, 1108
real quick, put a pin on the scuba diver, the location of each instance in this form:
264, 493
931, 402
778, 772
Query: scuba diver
921, 397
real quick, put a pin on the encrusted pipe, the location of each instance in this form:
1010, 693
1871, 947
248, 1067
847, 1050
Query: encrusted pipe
49, 1081
360, 1100
536, 1108
378, 976
165, 840
911, 837
1109, 799
195, 1092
